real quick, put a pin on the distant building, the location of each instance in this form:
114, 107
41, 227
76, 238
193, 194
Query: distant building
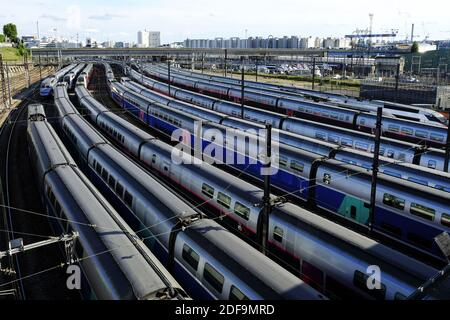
307, 43
148, 39
154, 39
142, 39
108, 44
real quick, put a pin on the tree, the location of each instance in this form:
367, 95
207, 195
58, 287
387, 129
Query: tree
10, 31
415, 47
2, 38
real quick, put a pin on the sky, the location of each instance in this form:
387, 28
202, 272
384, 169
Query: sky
180, 19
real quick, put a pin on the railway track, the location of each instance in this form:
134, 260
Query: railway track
19, 81
23, 216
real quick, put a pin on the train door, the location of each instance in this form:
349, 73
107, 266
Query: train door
355, 209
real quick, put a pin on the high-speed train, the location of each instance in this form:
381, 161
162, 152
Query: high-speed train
207, 260
344, 138
85, 75
411, 172
115, 263
411, 213
390, 109
417, 132
47, 85
71, 77
297, 237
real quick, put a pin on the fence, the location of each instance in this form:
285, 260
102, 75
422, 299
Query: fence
14, 77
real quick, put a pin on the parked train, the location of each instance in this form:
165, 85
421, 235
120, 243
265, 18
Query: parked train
390, 109
71, 77
115, 263
297, 237
85, 75
47, 85
411, 213
205, 258
417, 132
414, 173
394, 149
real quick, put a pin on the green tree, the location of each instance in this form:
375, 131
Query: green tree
2, 38
10, 31
415, 47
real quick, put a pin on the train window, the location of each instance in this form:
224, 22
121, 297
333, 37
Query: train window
332, 138
242, 211
393, 201
278, 234
436, 137
445, 219
99, 168
393, 128
321, 136
282, 161
361, 146
208, 190
421, 134
154, 158
347, 142
422, 211
236, 294
297, 166
327, 178
111, 182
224, 200
105, 174
213, 277
360, 281
390, 154
362, 122
119, 188
402, 157
190, 256
128, 198
432, 164
407, 131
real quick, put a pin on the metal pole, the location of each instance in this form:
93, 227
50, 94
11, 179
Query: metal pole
2, 81
376, 155
242, 87
447, 146
226, 57
266, 197
397, 77
314, 72
9, 85
257, 60
168, 75
40, 67
203, 61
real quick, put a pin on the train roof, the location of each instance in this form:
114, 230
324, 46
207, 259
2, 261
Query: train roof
255, 269
399, 264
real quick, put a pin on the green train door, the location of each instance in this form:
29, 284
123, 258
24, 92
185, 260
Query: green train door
355, 209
